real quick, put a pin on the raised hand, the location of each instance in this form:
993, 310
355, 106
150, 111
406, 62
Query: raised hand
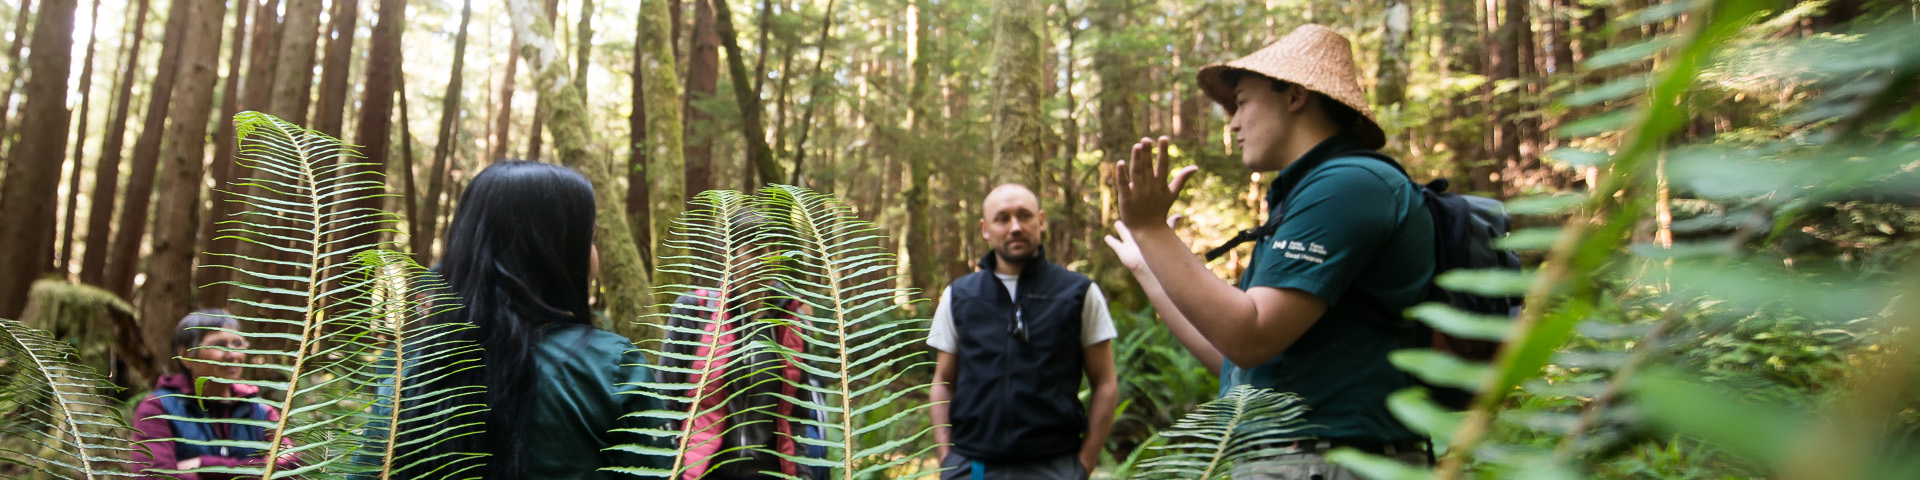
1144, 188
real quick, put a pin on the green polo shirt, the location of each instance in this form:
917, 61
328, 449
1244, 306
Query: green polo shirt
1353, 223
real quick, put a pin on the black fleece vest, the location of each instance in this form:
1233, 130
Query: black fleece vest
1018, 400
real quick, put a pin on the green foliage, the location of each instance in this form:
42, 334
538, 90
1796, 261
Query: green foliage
357, 313
813, 249
1749, 345
54, 417
1236, 430
1159, 380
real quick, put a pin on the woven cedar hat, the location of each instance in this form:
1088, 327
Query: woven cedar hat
1313, 57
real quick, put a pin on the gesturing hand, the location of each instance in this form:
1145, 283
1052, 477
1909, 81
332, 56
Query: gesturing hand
1143, 186
1124, 247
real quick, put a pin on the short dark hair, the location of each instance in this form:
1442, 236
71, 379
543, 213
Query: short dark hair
195, 326
1339, 113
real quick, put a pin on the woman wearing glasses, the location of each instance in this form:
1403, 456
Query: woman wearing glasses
207, 349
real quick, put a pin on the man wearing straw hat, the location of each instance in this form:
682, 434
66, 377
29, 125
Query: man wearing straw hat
1347, 236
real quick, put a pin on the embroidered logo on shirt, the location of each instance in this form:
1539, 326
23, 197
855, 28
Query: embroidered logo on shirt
1297, 250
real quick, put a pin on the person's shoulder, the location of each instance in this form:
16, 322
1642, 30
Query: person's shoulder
1355, 171
585, 343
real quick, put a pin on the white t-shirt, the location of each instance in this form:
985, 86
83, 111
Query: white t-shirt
1095, 324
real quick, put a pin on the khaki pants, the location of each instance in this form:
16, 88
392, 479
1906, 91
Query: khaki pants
1312, 466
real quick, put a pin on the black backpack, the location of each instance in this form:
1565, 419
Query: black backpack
1464, 229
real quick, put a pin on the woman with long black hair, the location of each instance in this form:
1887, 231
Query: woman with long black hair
518, 260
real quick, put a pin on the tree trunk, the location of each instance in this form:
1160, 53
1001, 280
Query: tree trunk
258, 84
146, 159
813, 95
751, 108
1562, 26
409, 204
1015, 80
639, 186
375, 128
703, 79
168, 291
664, 126
329, 115
64, 261
1069, 177
14, 74
106, 173
1391, 88
1506, 65
920, 261
31, 189
540, 103
628, 291
256, 94
503, 106
293, 75
583, 45
1467, 55
425, 228
224, 170
1119, 105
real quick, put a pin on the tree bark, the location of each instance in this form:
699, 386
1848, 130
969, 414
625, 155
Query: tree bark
1391, 86
765, 46
329, 114
583, 45
664, 126
1506, 65
65, 259
751, 108
1562, 25
703, 79
813, 94
14, 73
146, 159
426, 225
256, 94
375, 128
168, 291
540, 103
1015, 80
106, 174
627, 288
409, 204
639, 187
31, 189
1119, 104
503, 106
257, 87
293, 74
224, 170
920, 261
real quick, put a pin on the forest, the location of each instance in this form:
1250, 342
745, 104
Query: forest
1714, 202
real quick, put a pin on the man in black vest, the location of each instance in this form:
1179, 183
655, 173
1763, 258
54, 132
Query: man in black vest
1015, 337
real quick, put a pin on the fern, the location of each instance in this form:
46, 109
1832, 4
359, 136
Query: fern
710, 236
1238, 429
53, 418
831, 257
824, 259
356, 310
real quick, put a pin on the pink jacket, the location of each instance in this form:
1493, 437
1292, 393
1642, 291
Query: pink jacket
161, 454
